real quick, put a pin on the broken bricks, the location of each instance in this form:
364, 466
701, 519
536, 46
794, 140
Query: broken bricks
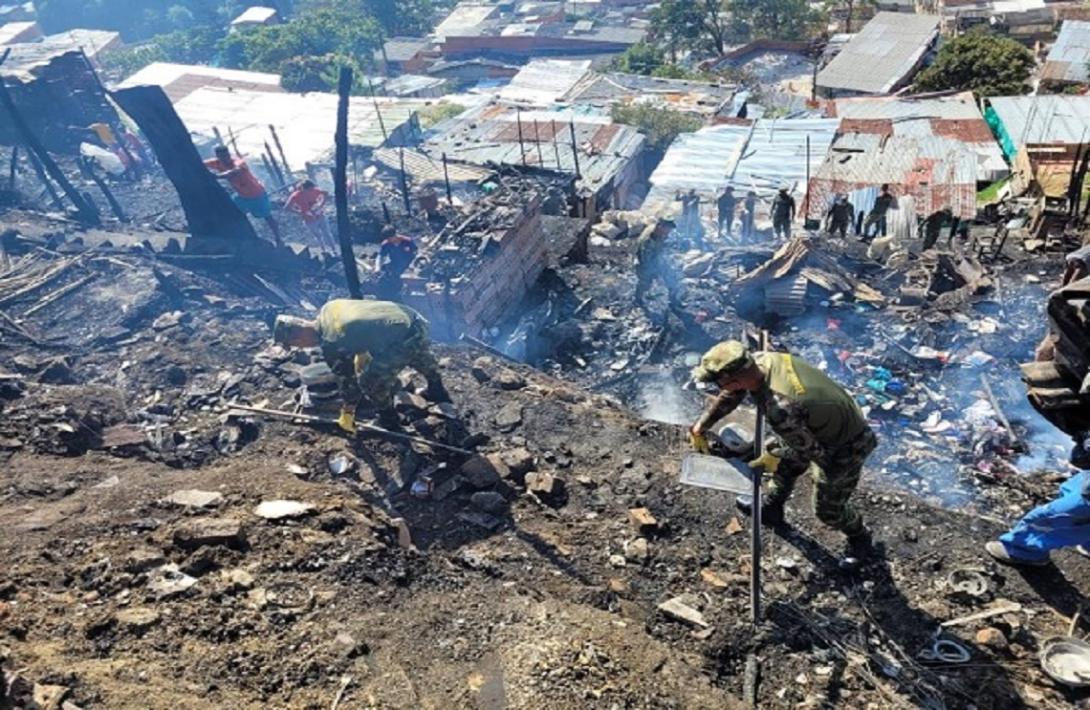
200, 532
644, 522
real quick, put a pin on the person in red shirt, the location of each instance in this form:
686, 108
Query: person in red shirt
250, 194
307, 201
395, 255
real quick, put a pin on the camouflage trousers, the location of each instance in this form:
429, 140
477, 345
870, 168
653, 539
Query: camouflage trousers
835, 477
658, 269
378, 382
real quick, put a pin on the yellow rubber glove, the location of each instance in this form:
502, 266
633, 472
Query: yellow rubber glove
361, 361
699, 443
347, 421
766, 462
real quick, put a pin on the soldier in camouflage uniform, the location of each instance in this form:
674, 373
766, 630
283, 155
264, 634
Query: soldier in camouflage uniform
366, 344
817, 422
651, 263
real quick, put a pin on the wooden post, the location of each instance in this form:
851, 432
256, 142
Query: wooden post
537, 140
85, 212
234, 143
556, 148
268, 168
40, 172
115, 206
275, 165
218, 135
446, 179
280, 149
574, 150
522, 150
806, 198
340, 188
14, 167
404, 181
378, 113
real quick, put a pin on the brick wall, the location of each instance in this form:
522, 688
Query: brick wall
494, 286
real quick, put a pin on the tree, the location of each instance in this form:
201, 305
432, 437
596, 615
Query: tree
196, 45
640, 58
981, 62
661, 126
773, 19
691, 24
397, 17
326, 31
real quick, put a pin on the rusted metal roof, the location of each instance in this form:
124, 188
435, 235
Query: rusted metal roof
1067, 60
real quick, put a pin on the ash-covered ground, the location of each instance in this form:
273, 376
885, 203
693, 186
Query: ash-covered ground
561, 565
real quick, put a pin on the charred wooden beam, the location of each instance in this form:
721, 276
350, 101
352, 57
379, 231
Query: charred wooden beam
340, 187
208, 208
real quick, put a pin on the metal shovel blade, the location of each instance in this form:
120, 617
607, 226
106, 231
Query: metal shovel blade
703, 471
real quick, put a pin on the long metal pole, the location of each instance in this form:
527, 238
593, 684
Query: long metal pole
446, 179
537, 140
575, 150
404, 180
280, 149
806, 198
378, 113
13, 168
522, 150
755, 511
340, 187
556, 148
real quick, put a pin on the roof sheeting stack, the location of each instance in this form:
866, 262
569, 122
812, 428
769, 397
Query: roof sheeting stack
883, 56
1068, 59
760, 155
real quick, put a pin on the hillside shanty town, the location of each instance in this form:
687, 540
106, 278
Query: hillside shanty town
545, 354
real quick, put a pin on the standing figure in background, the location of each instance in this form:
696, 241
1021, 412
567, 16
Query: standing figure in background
395, 255
651, 263
783, 213
749, 214
307, 201
932, 226
840, 216
877, 216
726, 203
250, 194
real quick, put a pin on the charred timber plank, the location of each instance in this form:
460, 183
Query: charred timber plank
340, 192
208, 208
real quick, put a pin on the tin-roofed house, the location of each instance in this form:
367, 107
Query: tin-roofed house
882, 58
1068, 60
1040, 136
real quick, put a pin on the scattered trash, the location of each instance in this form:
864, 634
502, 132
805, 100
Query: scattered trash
1066, 659
281, 509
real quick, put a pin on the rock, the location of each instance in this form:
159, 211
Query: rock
236, 580
480, 473
168, 581
519, 460
410, 403
341, 464
488, 501
643, 520
209, 531
617, 561
714, 579
502, 469
509, 380
548, 488
698, 265
404, 535
142, 559
169, 320
282, 509
57, 372
193, 498
49, 697
137, 618
482, 368
509, 417
637, 550
676, 608
992, 638
175, 375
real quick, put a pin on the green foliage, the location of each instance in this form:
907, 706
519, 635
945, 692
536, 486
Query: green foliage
433, 114
323, 32
136, 20
773, 19
660, 126
192, 46
679, 25
978, 61
673, 71
640, 58
397, 17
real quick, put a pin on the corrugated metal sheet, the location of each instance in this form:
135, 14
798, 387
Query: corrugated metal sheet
26, 56
935, 171
882, 55
956, 117
181, 80
543, 82
424, 168
761, 156
1043, 120
305, 122
490, 135
700, 97
1068, 58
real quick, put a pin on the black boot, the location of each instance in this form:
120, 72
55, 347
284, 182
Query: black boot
771, 511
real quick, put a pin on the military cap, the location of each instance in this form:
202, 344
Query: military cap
727, 358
